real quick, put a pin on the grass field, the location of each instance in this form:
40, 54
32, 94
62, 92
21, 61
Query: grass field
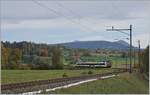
15, 76
123, 84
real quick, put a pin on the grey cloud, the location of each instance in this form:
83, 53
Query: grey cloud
117, 10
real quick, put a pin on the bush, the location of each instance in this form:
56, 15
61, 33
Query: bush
86, 53
13, 65
24, 67
39, 63
64, 75
90, 72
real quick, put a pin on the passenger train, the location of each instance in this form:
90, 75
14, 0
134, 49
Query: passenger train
93, 64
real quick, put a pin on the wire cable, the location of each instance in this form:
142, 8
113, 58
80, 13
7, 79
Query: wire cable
57, 13
72, 12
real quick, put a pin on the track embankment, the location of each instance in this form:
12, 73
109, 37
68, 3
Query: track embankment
42, 85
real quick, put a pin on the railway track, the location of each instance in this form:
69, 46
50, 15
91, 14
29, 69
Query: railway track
31, 86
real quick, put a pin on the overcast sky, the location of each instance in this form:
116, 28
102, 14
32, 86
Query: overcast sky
57, 21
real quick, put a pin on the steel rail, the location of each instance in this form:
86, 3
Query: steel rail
50, 83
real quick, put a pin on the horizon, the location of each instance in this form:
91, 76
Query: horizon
67, 42
68, 21
63, 42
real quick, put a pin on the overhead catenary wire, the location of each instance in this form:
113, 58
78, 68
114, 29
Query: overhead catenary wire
70, 10
117, 12
58, 13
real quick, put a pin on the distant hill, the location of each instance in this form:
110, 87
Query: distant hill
76, 44
122, 42
97, 44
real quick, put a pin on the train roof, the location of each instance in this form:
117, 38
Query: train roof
90, 63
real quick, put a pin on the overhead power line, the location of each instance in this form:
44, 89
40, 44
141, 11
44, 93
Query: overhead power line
72, 12
58, 13
130, 34
69, 10
119, 30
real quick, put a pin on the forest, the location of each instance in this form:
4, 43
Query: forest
29, 55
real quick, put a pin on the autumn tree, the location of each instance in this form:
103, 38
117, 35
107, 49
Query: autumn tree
44, 52
86, 53
76, 55
5, 56
57, 61
145, 61
15, 58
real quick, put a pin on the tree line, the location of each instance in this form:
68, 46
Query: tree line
144, 64
28, 55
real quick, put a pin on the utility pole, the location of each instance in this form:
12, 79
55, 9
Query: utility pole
134, 56
126, 62
129, 34
139, 52
130, 48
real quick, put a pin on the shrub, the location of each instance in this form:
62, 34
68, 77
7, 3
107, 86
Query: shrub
86, 53
24, 67
90, 72
39, 63
64, 75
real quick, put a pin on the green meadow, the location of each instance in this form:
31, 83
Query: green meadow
123, 84
15, 76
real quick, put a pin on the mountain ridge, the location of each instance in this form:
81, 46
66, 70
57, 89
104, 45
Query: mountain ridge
97, 44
